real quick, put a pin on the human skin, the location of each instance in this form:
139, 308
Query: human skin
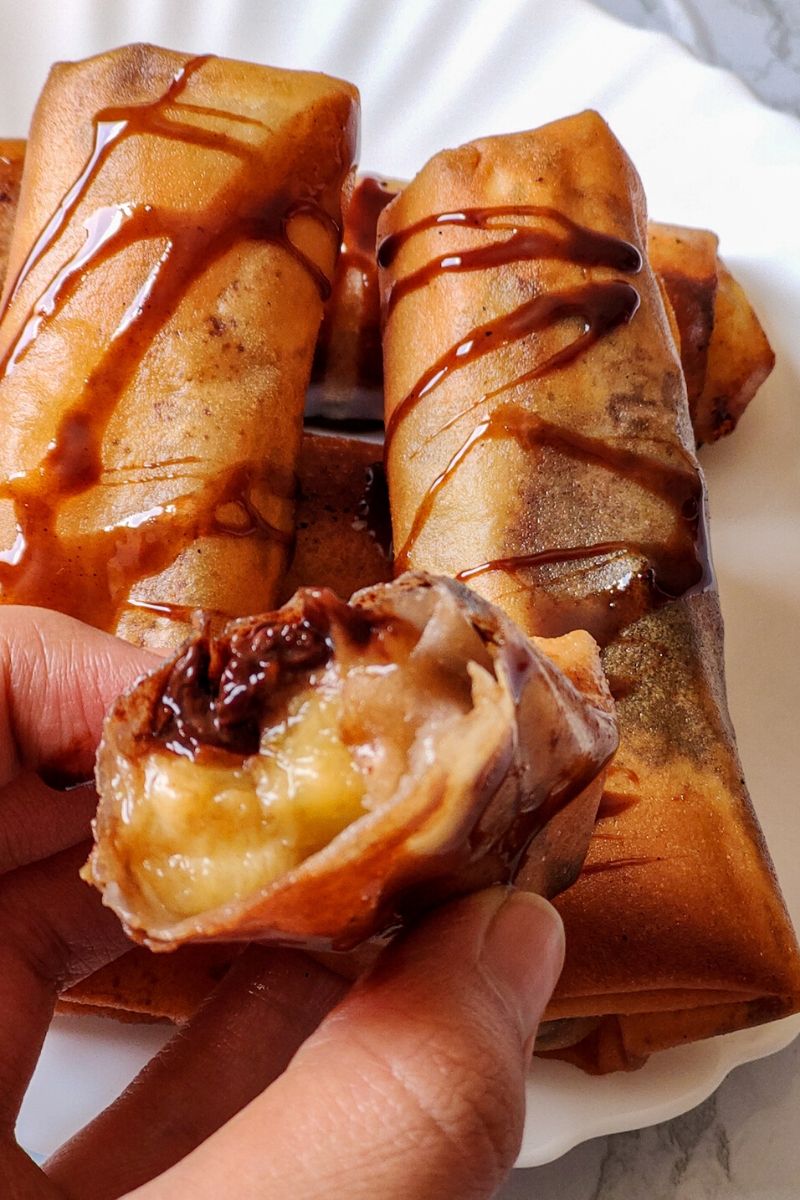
409, 1085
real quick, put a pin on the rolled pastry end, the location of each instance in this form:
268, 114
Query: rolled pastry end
318, 774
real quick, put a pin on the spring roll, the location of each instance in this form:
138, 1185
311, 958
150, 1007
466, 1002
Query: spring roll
724, 351
347, 377
344, 537
12, 158
318, 774
539, 448
740, 359
176, 233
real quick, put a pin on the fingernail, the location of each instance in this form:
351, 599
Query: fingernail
523, 953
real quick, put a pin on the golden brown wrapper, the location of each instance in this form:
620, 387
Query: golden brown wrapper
343, 530
478, 784
724, 350
178, 222
12, 159
582, 505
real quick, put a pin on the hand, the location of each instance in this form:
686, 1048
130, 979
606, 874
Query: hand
282, 1087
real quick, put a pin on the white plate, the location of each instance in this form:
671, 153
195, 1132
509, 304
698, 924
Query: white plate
435, 74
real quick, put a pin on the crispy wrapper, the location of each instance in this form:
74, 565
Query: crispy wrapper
724, 350
343, 537
177, 227
12, 159
494, 741
552, 469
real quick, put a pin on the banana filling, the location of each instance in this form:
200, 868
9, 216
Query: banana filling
203, 833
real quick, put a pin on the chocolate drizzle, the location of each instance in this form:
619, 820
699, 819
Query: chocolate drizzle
599, 307
674, 568
572, 243
93, 577
358, 254
663, 571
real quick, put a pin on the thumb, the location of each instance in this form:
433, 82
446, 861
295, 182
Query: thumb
413, 1087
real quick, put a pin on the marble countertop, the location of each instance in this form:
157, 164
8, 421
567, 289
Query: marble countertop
759, 40
742, 1143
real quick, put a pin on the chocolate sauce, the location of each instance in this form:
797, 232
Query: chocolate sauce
220, 692
674, 568
572, 243
92, 577
600, 307
369, 198
89, 576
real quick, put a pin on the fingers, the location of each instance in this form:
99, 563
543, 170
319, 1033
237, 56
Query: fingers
242, 1039
36, 821
53, 931
58, 677
413, 1087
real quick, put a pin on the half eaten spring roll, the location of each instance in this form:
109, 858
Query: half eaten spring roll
168, 268
316, 775
540, 449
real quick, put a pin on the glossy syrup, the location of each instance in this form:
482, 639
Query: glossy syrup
676, 567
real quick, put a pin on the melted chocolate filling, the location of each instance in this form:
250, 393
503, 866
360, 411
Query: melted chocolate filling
221, 691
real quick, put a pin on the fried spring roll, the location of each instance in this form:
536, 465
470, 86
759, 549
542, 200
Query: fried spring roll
165, 289
347, 378
314, 775
740, 359
344, 537
725, 353
539, 448
12, 158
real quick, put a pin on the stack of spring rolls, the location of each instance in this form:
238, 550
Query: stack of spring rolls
549, 363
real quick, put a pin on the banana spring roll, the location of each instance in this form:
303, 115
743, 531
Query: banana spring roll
177, 230
724, 351
539, 448
318, 774
343, 537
